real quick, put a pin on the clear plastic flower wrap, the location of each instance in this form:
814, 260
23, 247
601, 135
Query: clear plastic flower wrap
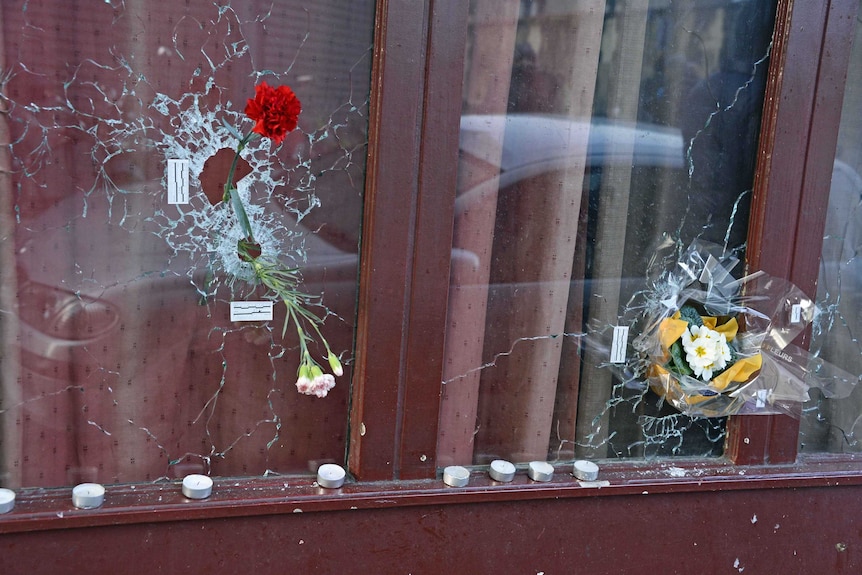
713, 345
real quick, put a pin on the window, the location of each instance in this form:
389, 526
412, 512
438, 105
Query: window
120, 360
433, 104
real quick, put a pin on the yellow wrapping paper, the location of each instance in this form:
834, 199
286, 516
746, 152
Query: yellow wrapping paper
739, 371
672, 328
662, 380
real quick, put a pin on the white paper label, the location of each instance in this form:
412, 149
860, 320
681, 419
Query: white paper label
250, 310
618, 347
178, 181
760, 400
795, 313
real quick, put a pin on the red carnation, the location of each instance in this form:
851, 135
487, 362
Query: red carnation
274, 111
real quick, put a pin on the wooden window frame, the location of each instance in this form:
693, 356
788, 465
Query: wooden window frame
407, 232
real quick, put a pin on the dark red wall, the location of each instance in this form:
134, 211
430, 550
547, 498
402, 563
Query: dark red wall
797, 530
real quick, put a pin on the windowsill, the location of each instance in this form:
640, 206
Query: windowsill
46, 509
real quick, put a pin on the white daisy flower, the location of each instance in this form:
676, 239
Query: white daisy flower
706, 351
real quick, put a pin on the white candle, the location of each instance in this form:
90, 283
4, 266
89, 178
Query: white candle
88, 495
7, 500
456, 476
502, 471
197, 486
540, 471
330, 475
586, 470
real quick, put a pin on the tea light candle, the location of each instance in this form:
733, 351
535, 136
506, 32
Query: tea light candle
502, 471
88, 495
196, 486
330, 476
456, 476
540, 471
7, 500
586, 470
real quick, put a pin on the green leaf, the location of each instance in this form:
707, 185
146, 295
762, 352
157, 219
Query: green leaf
240, 213
231, 129
680, 366
689, 314
208, 280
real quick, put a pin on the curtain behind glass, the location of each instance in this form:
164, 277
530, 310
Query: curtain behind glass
627, 127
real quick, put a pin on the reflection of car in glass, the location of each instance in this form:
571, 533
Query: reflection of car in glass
837, 425
532, 145
537, 195
123, 370
537, 156
535, 144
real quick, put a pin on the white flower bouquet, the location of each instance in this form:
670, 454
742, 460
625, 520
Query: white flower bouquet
713, 345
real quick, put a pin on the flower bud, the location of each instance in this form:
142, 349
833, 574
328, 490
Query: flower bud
304, 371
335, 364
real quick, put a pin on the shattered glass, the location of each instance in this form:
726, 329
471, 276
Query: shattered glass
830, 425
118, 358
598, 140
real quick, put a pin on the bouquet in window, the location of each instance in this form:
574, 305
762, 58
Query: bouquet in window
703, 354
713, 345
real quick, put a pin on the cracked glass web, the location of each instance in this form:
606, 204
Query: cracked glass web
622, 132
119, 361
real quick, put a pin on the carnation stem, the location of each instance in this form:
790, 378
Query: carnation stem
281, 281
229, 188
228, 185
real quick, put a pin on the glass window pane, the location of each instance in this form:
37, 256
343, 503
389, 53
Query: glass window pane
594, 136
835, 424
119, 358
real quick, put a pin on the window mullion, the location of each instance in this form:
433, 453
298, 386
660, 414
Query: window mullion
434, 228
389, 226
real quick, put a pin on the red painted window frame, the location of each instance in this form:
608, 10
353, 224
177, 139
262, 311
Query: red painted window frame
412, 162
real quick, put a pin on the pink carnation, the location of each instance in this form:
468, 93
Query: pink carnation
318, 386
